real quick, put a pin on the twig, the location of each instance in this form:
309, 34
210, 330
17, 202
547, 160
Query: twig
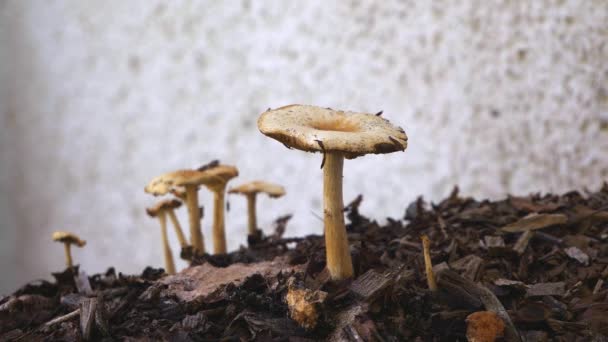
428, 264
62, 319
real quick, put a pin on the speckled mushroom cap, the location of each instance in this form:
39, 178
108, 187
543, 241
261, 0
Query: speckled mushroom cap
67, 237
162, 184
219, 175
316, 129
163, 205
273, 190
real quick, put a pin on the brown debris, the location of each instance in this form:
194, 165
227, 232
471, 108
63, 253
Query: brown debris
305, 305
484, 326
535, 221
537, 281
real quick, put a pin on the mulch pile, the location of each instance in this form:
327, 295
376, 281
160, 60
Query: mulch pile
538, 262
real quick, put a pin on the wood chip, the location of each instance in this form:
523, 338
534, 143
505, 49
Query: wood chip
578, 255
467, 266
547, 289
522, 242
535, 221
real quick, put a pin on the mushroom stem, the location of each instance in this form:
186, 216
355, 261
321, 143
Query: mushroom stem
428, 264
219, 236
68, 254
169, 264
252, 223
196, 235
339, 261
178, 228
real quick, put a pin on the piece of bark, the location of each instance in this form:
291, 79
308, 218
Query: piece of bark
305, 305
467, 266
371, 284
88, 308
577, 254
456, 285
495, 245
198, 282
522, 242
535, 221
510, 283
547, 289
83, 284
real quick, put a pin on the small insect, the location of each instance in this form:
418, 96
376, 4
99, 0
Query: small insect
227, 205
288, 147
379, 113
323, 149
209, 165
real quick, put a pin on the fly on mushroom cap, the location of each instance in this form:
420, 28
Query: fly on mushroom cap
217, 176
317, 129
339, 135
190, 181
250, 190
68, 239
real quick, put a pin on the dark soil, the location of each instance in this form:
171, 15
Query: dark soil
539, 262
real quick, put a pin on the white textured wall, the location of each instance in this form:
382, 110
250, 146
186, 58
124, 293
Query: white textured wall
97, 97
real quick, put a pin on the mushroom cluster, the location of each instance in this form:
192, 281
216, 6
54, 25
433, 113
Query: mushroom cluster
337, 134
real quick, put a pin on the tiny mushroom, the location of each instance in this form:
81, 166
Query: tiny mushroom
68, 239
250, 190
190, 181
216, 178
428, 263
338, 135
160, 210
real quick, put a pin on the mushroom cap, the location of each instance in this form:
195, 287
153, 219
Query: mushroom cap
163, 205
273, 190
317, 129
67, 237
162, 184
179, 192
219, 175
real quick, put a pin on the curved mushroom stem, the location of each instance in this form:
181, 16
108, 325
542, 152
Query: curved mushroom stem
178, 228
339, 261
196, 235
219, 235
169, 264
428, 264
252, 218
68, 254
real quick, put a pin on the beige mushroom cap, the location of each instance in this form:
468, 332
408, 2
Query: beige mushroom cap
162, 184
163, 205
179, 192
67, 237
219, 175
273, 190
316, 129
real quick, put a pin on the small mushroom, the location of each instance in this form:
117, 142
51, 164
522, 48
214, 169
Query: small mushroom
216, 178
338, 135
428, 264
250, 191
190, 181
68, 239
160, 210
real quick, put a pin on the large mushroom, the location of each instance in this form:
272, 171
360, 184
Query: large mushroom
190, 180
338, 135
216, 179
160, 210
68, 239
250, 191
